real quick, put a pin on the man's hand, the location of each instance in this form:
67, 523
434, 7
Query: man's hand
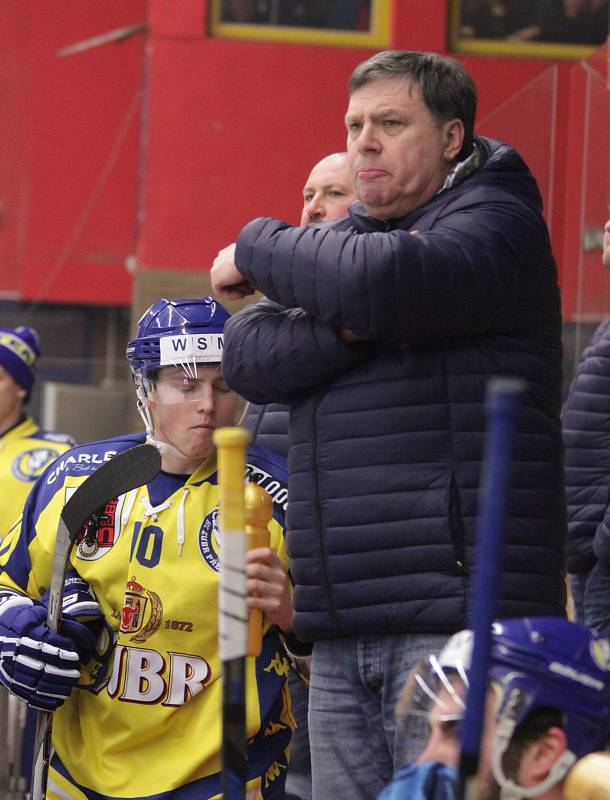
227, 280
267, 584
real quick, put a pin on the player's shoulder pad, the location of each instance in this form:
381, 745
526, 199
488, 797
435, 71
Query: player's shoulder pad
84, 459
55, 436
270, 471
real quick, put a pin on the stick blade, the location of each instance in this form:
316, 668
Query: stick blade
124, 472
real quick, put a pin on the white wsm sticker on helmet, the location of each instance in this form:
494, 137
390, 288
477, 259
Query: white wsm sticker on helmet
199, 347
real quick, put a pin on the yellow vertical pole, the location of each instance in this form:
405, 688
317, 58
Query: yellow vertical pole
231, 446
233, 611
259, 509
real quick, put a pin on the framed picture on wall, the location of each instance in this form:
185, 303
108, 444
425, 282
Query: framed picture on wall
336, 22
547, 28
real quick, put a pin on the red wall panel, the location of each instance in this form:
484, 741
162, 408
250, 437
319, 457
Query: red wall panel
234, 127
233, 130
76, 141
227, 131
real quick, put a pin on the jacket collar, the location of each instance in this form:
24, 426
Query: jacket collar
487, 154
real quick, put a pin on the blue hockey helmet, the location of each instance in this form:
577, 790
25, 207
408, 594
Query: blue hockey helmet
180, 336
175, 357
549, 662
536, 663
173, 332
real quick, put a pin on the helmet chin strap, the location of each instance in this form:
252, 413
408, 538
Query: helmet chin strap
165, 448
144, 412
509, 790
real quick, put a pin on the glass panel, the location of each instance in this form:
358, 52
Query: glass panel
349, 15
527, 122
549, 28
591, 281
336, 22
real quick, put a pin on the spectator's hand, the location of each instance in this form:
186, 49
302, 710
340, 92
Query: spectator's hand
349, 337
606, 245
227, 280
267, 585
36, 664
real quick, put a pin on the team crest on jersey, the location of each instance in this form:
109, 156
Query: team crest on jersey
32, 463
142, 612
94, 541
209, 540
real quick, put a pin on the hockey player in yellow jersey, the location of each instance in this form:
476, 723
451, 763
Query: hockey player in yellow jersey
134, 673
25, 449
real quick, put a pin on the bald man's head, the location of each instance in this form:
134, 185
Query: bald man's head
328, 190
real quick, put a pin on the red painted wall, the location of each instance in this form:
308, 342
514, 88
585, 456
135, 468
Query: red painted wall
242, 122
229, 131
69, 139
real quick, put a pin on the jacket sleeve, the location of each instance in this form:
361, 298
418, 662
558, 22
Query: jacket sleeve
601, 542
268, 424
275, 354
586, 434
484, 265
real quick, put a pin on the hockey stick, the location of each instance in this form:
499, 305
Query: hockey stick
233, 611
502, 405
124, 472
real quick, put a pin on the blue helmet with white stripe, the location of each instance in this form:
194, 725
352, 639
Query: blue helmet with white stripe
172, 332
549, 662
175, 340
536, 665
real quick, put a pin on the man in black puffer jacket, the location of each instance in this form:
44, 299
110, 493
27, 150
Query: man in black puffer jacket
586, 434
381, 332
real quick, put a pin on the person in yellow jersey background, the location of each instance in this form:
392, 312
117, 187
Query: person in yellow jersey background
25, 449
139, 716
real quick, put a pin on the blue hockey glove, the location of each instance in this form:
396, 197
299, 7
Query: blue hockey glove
81, 617
79, 601
36, 664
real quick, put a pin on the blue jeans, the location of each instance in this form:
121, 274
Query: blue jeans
298, 777
355, 684
597, 599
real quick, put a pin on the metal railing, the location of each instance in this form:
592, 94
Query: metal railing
12, 725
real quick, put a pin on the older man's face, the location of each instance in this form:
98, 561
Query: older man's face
328, 192
399, 155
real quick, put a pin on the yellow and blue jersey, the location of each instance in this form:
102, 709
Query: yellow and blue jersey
25, 452
153, 727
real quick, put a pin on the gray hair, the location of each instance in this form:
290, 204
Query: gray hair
447, 89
